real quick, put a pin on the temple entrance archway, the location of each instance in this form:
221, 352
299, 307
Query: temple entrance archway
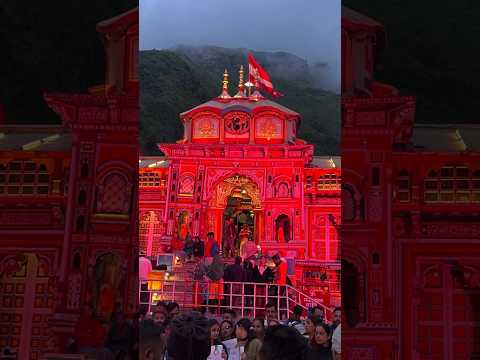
238, 221
236, 200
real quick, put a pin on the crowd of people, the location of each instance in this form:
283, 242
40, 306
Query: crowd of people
195, 247
167, 334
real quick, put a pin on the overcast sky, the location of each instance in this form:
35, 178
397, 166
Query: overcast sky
307, 28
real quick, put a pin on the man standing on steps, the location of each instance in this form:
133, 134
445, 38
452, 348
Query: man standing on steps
211, 247
281, 270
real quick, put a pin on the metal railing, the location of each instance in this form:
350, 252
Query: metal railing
247, 299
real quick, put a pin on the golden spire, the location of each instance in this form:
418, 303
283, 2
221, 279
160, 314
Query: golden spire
225, 80
241, 91
224, 94
240, 78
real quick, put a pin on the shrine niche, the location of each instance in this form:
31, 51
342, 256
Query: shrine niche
183, 225
353, 294
282, 189
206, 127
186, 187
282, 229
269, 128
114, 194
106, 280
348, 204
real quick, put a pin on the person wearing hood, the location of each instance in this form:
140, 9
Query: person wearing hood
215, 274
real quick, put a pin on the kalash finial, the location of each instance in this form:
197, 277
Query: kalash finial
225, 80
241, 88
225, 94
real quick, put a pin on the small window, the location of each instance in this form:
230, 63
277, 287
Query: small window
462, 172
82, 197
84, 170
431, 184
29, 166
28, 178
375, 176
13, 190
15, 165
28, 190
308, 180
376, 258
43, 190
15, 178
77, 261
446, 172
80, 223
446, 184
43, 178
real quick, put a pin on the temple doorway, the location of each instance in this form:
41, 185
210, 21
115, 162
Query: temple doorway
236, 213
238, 221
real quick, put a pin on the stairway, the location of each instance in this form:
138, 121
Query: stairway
181, 287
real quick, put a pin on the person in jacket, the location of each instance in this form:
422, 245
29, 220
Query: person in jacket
211, 247
320, 347
282, 342
296, 321
198, 247
188, 247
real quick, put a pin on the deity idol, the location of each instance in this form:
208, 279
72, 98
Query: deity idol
244, 236
229, 238
183, 226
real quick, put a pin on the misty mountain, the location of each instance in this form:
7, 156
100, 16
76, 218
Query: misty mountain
173, 81
281, 65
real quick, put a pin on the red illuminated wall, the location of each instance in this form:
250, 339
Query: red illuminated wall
69, 207
249, 144
410, 207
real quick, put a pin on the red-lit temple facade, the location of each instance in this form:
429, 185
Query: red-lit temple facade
68, 213
240, 156
410, 224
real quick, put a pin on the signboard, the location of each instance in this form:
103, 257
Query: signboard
165, 262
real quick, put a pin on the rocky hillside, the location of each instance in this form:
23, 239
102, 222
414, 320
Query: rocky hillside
178, 79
